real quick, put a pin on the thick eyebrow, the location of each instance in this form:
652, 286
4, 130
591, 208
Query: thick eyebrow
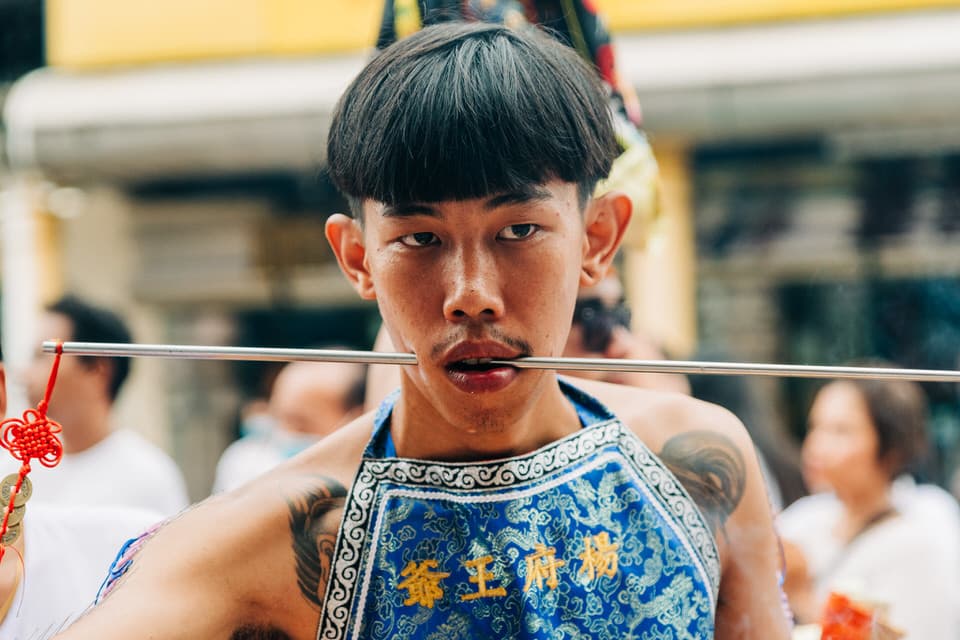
522, 196
405, 210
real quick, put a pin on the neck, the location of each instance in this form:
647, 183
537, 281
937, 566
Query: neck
85, 431
422, 430
862, 508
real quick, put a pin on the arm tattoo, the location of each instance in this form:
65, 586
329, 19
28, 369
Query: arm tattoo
711, 469
312, 542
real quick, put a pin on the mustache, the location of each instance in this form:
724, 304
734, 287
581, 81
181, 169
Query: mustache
487, 333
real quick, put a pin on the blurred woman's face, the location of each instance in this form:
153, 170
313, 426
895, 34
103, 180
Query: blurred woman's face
840, 450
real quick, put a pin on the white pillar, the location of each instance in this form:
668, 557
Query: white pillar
20, 284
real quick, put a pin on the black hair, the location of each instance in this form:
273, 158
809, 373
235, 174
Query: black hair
96, 324
460, 111
898, 410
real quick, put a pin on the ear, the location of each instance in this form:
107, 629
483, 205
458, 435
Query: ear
3, 392
346, 239
605, 222
102, 367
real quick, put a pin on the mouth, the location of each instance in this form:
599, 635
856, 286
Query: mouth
477, 365
480, 368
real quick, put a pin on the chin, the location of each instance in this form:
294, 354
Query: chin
816, 483
491, 416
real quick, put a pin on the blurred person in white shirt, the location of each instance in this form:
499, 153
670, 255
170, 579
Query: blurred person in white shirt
308, 401
66, 552
102, 465
867, 535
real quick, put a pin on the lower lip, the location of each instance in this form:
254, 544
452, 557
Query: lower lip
483, 381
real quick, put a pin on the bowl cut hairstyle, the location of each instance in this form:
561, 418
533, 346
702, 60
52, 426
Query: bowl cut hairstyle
468, 110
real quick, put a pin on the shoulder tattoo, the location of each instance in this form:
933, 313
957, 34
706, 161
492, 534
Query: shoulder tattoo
313, 539
712, 470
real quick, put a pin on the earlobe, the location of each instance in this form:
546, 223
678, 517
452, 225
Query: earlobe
605, 220
346, 240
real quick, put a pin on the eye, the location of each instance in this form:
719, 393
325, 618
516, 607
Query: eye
517, 231
419, 239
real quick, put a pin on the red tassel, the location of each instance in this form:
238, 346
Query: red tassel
32, 437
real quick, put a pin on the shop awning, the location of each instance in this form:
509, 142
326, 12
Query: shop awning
804, 78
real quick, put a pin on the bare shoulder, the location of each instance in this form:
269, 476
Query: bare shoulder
704, 445
244, 564
658, 416
302, 503
336, 456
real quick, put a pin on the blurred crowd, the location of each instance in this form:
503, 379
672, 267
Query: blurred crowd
866, 529
851, 515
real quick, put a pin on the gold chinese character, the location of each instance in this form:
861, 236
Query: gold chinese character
542, 565
422, 585
480, 564
599, 556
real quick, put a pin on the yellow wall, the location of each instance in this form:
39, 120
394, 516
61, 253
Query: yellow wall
625, 15
91, 33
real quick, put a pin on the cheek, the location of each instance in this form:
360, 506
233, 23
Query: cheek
840, 456
38, 375
826, 451
37, 371
401, 294
547, 283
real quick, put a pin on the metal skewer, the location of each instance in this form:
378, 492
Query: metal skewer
191, 352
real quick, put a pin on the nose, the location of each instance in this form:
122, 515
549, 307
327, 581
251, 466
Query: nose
475, 292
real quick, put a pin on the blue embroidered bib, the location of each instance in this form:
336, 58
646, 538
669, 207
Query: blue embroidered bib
588, 537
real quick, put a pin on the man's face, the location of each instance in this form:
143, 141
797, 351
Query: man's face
840, 451
77, 381
487, 278
309, 398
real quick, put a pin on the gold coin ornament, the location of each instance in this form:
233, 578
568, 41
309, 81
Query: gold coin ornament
7, 486
13, 532
16, 516
13, 511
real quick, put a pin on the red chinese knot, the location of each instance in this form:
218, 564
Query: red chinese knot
32, 437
